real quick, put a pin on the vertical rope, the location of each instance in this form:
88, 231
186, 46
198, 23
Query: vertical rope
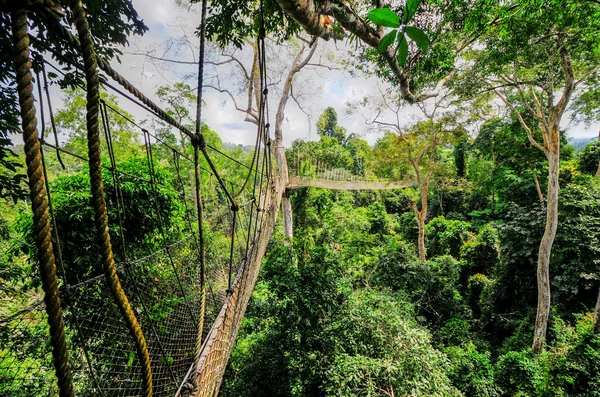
58, 256
200, 145
39, 204
100, 212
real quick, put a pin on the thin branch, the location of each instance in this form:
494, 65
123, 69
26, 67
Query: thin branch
589, 73
522, 121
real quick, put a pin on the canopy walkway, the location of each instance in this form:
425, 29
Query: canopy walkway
332, 184
143, 316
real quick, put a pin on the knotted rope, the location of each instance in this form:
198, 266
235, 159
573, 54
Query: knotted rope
39, 204
100, 213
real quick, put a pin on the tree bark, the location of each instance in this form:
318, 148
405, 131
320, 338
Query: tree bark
545, 250
551, 133
286, 206
421, 238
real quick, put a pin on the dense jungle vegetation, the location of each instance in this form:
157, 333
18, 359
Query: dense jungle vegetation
480, 278
350, 309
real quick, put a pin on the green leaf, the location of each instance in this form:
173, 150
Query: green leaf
402, 50
387, 41
419, 37
384, 17
410, 9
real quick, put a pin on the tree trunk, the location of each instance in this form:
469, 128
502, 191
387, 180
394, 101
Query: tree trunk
543, 269
597, 316
286, 206
421, 240
537, 186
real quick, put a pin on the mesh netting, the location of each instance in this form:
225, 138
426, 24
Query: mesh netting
160, 274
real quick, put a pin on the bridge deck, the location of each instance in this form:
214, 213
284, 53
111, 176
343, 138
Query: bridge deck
304, 181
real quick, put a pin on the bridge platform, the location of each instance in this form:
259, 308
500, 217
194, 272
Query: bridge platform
305, 181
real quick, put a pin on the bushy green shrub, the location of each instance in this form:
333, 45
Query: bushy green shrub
74, 213
569, 367
471, 371
589, 158
382, 350
481, 253
446, 236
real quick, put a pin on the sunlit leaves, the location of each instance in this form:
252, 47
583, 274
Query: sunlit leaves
419, 37
401, 33
402, 50
384, 17
410, 9
387, 41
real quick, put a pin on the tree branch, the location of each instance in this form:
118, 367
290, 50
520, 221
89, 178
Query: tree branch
522, 121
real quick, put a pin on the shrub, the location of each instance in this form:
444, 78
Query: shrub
471, 371
446, 236
589, 158
481, 253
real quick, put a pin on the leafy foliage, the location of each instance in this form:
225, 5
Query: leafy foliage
401, 32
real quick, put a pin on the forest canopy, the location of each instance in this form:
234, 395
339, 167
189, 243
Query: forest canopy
479, 277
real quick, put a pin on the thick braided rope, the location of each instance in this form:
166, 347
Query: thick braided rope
100, 213
39, 204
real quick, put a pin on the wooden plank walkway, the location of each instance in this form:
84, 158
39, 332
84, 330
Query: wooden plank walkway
304, 181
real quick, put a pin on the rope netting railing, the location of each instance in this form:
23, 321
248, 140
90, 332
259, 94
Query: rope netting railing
326, 171
147, 274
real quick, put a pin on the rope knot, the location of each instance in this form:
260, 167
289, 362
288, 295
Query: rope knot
198, 141
268, 125
266, 91
235, 207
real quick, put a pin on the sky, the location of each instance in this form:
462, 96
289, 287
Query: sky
315, 87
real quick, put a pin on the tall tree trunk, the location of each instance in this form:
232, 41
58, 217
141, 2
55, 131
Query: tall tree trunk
545, 250
286, 206
421, 239
597, 316
421, 214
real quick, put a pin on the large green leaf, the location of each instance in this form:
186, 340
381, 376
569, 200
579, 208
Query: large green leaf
402, 50
386, 41
410, 9
384, 17
419, 37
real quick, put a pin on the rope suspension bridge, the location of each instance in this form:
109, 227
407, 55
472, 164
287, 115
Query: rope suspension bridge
153, 317
308, 170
